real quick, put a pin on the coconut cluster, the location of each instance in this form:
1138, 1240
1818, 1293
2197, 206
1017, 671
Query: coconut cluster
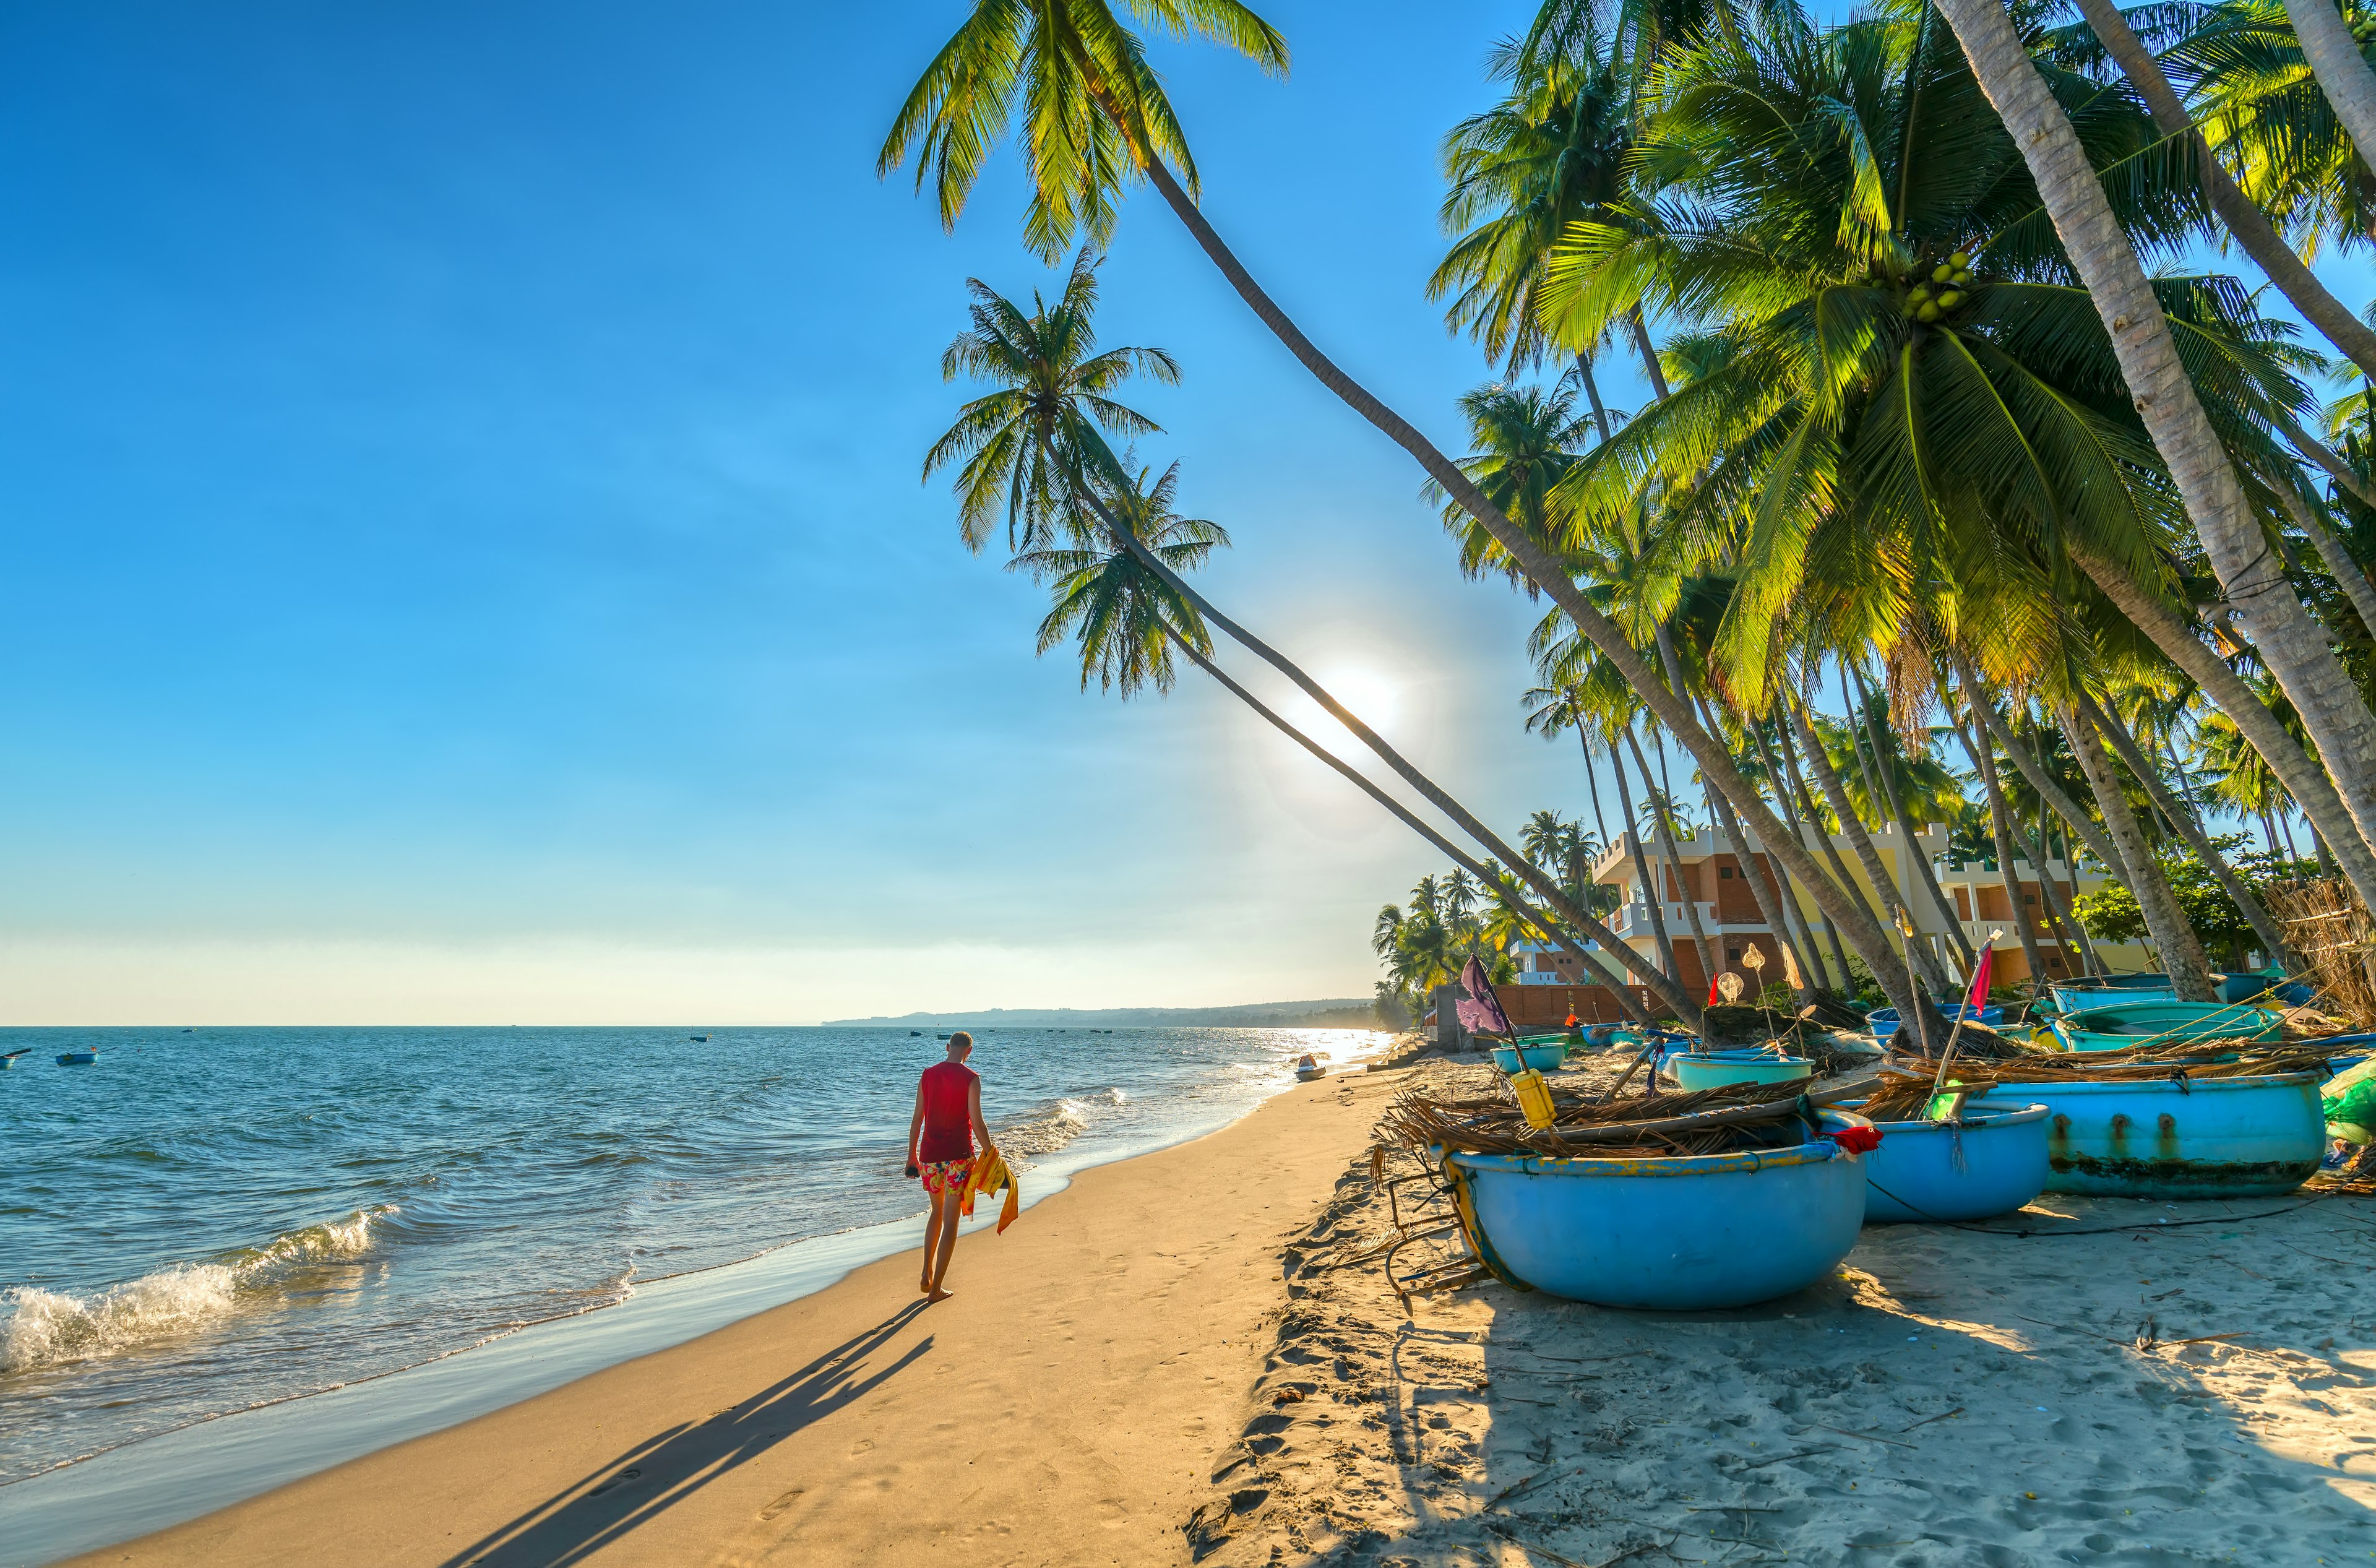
1945, 291
2363, 28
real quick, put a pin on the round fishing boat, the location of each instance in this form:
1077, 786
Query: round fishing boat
78, 1058
2163, 1022
2269, 987
2102, 990
1697, 1070
1885, 1021
2178, 1137
1541, 1058
1989, 1163
1677, 1234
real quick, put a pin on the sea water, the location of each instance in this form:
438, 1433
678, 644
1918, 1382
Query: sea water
212, 1221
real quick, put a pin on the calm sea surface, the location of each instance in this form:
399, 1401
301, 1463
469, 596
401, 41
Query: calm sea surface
209, 1221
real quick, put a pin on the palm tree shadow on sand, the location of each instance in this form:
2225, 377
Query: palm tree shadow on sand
610, 1502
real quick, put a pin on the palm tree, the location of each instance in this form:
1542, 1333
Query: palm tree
1017, 446
1044, 428
1126, 619
1552, 152
2290, 644
1094, 114
2244, 218
1121, 612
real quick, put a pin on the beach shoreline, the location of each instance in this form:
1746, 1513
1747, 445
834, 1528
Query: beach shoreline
509, 1456
1190, 1356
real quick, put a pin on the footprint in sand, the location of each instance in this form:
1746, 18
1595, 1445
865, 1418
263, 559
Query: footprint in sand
776, 1507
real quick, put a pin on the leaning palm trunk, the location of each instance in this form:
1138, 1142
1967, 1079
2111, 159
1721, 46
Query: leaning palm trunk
1770, 903
1547, 926
1906, 826
2247, 222
2347, 573
2335, 59
2181, 950
2304, 780
1543, 569
2072, 934
1661, 814
1535, 877
1790, 813
2184, 822
2292, 643
1653, 895
1976, 698
2000, 834
1884, 886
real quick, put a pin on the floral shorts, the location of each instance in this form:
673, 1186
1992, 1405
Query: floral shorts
946, 1175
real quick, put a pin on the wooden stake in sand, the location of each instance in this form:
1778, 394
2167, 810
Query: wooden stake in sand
1972, 1005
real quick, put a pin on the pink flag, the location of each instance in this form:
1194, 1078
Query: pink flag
1481, 1013
1980, 998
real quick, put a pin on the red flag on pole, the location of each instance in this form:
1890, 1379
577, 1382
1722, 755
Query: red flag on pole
1979, 997
1714, 996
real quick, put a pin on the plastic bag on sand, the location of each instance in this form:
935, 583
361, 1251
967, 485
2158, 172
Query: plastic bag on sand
2350, 1101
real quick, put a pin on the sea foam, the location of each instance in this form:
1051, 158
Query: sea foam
48, 1329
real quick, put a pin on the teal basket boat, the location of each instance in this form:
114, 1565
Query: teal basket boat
1541, 1058
2129, 1024
1697, 1070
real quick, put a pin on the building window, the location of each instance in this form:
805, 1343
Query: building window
1724, 873
1732, 955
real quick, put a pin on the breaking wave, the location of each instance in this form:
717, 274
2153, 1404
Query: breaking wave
48, 1329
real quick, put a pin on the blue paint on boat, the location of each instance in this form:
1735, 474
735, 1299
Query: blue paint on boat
78, 1059
1885, 1021
1990, 1163
1541, 1058
2128, 1024
1680, 1234
2101, 991
2178, 1137
1696, 1069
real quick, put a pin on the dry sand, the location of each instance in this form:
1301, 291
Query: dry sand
1193, 1355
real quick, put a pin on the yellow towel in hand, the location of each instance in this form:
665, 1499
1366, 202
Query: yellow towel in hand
990, 1174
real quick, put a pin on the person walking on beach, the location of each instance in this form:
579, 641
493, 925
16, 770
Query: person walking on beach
941, 1149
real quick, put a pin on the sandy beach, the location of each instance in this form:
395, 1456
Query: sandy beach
1192, 1356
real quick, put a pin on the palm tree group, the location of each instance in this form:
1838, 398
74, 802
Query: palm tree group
1924, 433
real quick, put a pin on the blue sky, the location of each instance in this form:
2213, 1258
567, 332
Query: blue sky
466, 558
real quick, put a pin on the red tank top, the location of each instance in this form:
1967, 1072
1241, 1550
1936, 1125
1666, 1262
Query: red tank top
948, 1113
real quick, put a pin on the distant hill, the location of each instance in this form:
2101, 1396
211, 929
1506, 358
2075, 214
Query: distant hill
1342, 1013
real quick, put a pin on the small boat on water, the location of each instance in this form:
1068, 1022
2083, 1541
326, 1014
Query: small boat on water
79, 1058
9, 1059
2163, 1023
915, 1034
1307, 1069
698, 1039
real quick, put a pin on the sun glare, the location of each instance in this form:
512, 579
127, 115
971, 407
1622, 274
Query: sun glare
1372, 697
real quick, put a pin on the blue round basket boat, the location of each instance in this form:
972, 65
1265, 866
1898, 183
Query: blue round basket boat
1990, 1163
2178, 1137
1541, 1058
1677, 1234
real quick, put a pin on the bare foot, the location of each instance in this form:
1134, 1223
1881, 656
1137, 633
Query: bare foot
924, 1285
938, 1296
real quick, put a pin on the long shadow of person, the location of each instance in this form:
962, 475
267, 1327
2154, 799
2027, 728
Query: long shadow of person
655, 1475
